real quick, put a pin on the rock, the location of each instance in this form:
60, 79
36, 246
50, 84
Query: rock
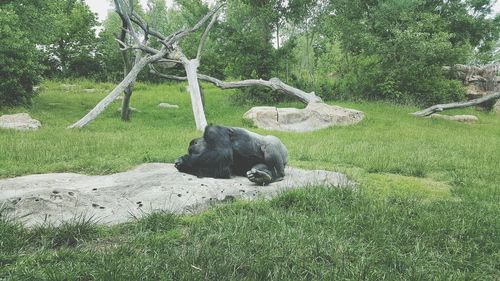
458, 118
475, 92
89, 90
116, 198
167, 105
132, 109
314, 117
68, 86
20, 121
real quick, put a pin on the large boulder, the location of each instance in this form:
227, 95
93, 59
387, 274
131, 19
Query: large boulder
314, 117
19, 121
116, 198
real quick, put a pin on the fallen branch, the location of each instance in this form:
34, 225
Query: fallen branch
441, 107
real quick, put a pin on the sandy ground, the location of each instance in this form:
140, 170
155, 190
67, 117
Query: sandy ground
117, 198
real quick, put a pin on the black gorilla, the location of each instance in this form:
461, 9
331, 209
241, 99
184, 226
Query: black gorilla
225, 151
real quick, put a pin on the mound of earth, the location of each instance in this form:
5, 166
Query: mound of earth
116, 198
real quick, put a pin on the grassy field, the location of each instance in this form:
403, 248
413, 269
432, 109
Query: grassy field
427, 206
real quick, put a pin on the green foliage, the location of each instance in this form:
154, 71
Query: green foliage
410, 42
247, 30
108, 50
18, 60
53, 38
70, 46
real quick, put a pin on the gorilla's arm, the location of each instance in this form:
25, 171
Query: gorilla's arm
273, 158
254, 149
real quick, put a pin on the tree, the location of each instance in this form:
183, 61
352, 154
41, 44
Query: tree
107, 52
146, 55
406, 43
170, 52
19, 66
70, 46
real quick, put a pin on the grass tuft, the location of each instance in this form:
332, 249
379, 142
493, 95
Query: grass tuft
68, 234
158, 221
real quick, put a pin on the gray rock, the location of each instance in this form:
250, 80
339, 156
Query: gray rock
167, 105
132, 109
20, 121
116, 198
89, 90
314, 117
68, 86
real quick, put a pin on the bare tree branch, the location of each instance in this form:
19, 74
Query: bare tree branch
136, 18
273, 83
180, 34
205, 36
124, 15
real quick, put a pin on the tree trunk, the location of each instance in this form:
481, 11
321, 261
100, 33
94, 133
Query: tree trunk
126, 82
127, 94
440, 107
191, 67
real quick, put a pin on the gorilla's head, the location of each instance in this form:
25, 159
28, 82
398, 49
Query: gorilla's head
196, 146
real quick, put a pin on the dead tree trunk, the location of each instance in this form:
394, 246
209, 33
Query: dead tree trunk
127, 66
441, 107
169, 46
191, 67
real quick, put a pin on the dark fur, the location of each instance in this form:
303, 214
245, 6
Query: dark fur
225, 151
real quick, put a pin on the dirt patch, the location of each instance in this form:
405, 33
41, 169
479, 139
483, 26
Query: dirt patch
116, 198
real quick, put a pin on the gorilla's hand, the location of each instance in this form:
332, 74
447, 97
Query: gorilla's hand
179, 163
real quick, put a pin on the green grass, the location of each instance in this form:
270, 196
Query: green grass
426, 206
